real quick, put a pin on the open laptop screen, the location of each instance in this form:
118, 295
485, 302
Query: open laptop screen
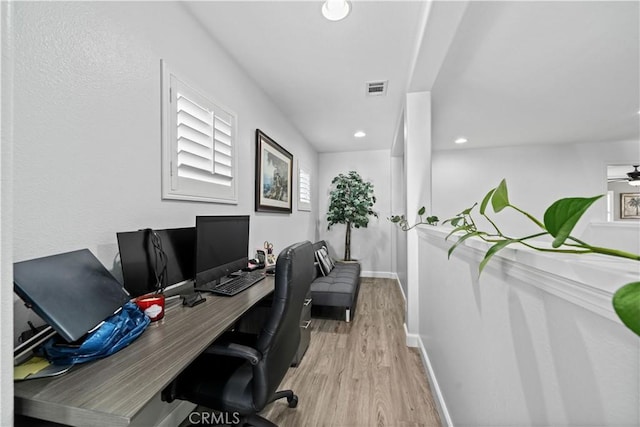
73, 292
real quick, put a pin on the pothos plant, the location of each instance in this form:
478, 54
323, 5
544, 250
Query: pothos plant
558, 222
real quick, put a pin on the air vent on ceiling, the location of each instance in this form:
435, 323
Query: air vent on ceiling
378, 88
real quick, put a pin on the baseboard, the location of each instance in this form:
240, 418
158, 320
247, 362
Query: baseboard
404, 296
378, 274
412, 340
445, 418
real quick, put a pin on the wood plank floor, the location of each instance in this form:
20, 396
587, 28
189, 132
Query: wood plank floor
359, 373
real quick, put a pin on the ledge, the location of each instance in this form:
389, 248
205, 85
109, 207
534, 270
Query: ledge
586, 280
632, 224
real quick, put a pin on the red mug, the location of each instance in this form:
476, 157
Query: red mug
152, 305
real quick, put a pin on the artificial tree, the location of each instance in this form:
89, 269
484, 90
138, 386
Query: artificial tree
350, 202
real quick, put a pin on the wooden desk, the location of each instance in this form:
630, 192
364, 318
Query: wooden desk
110, 392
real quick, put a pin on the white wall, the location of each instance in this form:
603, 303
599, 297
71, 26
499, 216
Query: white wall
398, 207
532, 342
418, 185
368, 245
87, 126
527, 345
6, 214
537, 175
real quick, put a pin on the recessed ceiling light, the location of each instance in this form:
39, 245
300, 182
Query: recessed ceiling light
359, 134
335, 10
460, 140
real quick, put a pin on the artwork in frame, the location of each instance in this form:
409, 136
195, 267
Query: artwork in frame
630, 205
274, 175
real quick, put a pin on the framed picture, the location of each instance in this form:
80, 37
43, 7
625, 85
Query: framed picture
630, 206
274, 175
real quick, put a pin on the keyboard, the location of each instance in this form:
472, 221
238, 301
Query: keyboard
235, 285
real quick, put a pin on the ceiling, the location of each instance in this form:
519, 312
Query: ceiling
500, 73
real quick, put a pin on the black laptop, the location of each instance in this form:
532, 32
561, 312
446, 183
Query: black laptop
73, 292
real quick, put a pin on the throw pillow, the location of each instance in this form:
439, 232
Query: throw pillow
333, 264
323, 261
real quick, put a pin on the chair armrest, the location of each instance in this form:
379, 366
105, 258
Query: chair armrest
251, 355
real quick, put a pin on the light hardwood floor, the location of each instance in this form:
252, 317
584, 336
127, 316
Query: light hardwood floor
359, 373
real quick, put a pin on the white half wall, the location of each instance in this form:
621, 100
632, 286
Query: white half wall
533, 341
87, 127
368, 245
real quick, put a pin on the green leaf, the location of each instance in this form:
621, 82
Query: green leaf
460, 240
485, 201
500, 198
563, 215
455, 230
493, 250
455, 221
626, 303
422, 211
468, 210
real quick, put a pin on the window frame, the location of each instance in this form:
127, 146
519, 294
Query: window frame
175, 187
304, 205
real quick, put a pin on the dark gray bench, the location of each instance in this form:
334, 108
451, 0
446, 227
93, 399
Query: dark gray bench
339, 288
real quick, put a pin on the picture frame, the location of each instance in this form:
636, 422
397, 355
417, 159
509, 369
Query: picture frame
274, 176
630, 205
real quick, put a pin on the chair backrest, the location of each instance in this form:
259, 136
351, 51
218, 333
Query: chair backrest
279, 338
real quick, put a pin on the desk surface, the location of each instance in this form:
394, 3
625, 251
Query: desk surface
111, 391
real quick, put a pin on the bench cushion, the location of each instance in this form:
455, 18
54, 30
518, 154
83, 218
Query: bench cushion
339, 287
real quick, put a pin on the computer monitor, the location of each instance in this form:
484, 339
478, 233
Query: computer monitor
140, 263
73, 292
222, 246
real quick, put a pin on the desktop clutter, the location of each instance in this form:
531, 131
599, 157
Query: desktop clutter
90, 315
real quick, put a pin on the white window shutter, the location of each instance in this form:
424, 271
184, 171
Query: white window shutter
304, 188
199, 160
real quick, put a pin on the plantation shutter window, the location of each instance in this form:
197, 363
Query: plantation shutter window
199, 160
304, 188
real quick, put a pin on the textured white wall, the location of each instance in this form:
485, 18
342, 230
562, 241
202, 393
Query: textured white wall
371, 245
87, 126
6, 214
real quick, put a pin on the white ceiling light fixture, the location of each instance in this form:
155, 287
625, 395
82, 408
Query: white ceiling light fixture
359, 134
335, 10
461, 140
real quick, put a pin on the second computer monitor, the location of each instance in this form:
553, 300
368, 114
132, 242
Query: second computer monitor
222, 246
140, 262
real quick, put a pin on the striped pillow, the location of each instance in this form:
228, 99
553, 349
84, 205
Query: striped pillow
324, 261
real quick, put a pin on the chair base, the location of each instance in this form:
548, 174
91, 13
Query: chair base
252, 419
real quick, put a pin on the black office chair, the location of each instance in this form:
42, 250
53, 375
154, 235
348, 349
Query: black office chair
240, 373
